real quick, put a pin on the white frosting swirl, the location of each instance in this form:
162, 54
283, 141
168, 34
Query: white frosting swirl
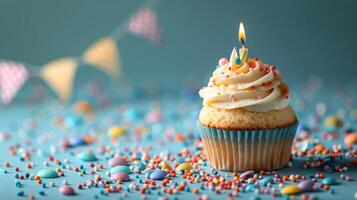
251, 86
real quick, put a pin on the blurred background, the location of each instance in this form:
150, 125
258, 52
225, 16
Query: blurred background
152, 109
315, 39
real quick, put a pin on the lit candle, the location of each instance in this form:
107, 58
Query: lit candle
243, 52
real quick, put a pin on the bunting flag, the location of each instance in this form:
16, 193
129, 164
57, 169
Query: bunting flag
104, 55
12, 77
145, 24
59, 75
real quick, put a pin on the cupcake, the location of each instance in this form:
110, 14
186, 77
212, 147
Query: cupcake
246, 122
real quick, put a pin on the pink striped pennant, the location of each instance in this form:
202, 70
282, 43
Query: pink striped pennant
12, 76
145, 24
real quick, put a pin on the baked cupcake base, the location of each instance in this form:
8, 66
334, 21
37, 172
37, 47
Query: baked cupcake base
240, 119
242, 150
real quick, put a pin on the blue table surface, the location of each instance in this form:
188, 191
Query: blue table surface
33, 128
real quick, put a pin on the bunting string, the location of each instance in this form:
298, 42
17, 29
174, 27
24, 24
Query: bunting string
103, 55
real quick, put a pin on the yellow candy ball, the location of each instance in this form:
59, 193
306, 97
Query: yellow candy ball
290, 190
183, 167
116, 131
333, 122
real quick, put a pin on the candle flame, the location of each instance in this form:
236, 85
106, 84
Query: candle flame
242, 37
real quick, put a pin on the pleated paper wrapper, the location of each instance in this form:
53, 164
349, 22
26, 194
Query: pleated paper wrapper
242, 150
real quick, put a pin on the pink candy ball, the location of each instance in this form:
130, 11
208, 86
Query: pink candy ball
117, 161
154, 116
120, 176
67, 190
222, 61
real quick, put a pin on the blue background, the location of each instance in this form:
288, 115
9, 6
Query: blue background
300, 37
308, 41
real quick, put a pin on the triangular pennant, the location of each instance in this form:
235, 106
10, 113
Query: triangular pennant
145, 24
59, 75
12, 76
104, 55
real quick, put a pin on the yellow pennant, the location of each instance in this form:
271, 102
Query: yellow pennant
104, 55
59, 75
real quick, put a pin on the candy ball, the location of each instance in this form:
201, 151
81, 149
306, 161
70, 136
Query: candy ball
116, 131
133, 114
266, 180
290, 190
117, 161
154, 116
158, 175
83, 107
67, 190
120, 176
222, 61
329, 181
76, 141
87, 156
64, 143
73, 121
140, 166
247, 174
333, 122
165, 165
350, 139
47, 173
183, 167
306, 186
120, 168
